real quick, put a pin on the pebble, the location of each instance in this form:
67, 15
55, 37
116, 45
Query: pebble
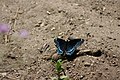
114, 56
55, 56
48, 12
20, 12
87, 64
42, 24
43, 48
59, 36
82, 76
12, 55
53, 28
61, 33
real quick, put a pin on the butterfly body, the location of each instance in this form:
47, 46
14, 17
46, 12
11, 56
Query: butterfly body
67, 47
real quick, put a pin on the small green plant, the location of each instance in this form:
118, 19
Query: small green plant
58, 66
59, 69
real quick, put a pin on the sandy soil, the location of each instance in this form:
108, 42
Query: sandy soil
96, 21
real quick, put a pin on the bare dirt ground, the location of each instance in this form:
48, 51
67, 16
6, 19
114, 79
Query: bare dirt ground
96, 21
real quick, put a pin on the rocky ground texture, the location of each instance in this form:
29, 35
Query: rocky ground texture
95, 21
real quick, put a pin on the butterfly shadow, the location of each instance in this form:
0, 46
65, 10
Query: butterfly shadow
97, 53
73, 56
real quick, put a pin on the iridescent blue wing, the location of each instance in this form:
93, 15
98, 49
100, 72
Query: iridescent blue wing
60, 44
72, 45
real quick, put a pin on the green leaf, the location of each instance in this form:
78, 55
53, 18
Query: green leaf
58, 65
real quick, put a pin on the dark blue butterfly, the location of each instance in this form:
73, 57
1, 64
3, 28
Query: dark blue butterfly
67, 47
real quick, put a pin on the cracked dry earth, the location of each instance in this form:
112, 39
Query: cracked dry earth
96, 21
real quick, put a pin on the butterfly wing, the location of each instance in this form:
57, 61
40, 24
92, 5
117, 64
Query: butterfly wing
60, 44
72, 45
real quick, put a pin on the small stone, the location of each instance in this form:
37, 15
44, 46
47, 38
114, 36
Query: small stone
20, 11
70, 71
38, 24
109, 37
43, 48
61, 33
59, 36
87, 64
48, 12
73, 64
77, 4
53, 28
52, 36
114, 56
88, 34
11, 55
104, 8
42, 24
55, 56
82, 76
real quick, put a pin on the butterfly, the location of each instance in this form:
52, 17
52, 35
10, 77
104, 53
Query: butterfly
67, 47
